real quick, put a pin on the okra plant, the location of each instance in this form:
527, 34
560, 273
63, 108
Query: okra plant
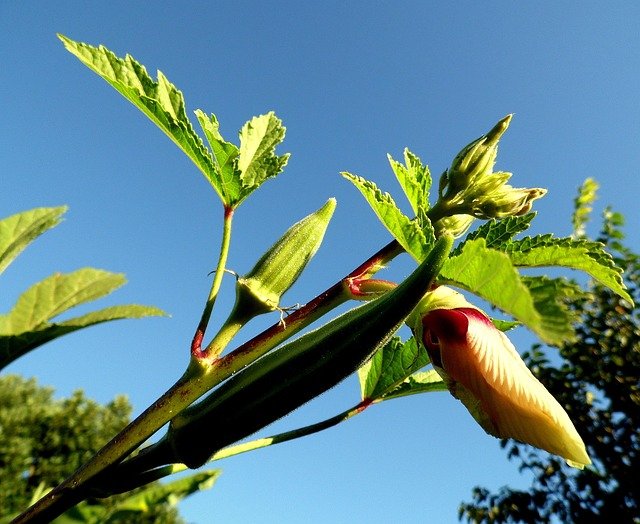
229, 392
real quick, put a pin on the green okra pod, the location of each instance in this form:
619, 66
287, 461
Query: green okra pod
278, 269
293, 374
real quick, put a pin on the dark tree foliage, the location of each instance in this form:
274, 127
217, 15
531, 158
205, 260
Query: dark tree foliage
598, 382
43, 440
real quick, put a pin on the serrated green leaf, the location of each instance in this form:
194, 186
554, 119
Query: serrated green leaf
15, 346
490, 274
257, 160
409, 234
551, 297
420, 382
56, 294
225, 154
580, 254
389, 366
159, 100
19, 230
587, 194
415, 180
498, 233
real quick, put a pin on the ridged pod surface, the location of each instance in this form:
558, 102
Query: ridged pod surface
293, 374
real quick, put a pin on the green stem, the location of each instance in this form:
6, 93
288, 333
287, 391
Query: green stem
291, 435
201, 376
196, 344
441, 210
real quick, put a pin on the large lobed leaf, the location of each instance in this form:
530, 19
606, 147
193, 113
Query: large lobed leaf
416, 240
584, 255
233, 172
159, 100
19, 230
547, 250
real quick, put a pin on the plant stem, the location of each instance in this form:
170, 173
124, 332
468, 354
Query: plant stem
196, 344
200, 377
291, 435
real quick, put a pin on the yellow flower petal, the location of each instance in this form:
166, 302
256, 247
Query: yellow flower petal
485, 372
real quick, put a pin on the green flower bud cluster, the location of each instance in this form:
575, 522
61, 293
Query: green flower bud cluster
470, 187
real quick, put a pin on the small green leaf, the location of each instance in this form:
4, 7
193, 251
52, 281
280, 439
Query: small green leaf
19, 230
491, 275
56, 294
499, 233
420, 382
159, 100
257, 160
390, 366
584, 255
415, 179
416, 240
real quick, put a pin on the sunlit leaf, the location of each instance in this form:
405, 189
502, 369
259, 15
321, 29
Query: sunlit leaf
158, 99
390, 366
491, 275
499, 233
29, 323
583, 255
19, 230
257, 160
409, 234
415, 180
56, 294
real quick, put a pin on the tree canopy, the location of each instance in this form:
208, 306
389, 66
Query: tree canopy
45, 439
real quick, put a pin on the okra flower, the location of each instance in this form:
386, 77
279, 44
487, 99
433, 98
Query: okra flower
484, 371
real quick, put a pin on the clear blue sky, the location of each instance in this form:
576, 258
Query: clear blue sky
352, 81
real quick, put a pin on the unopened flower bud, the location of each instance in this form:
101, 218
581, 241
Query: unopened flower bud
278, 269
476, 159
483, 370
508, 201
455, 225
470, 187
